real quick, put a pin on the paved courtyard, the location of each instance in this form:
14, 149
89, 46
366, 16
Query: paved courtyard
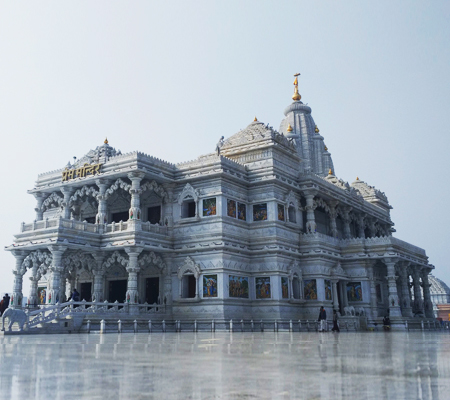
221, 365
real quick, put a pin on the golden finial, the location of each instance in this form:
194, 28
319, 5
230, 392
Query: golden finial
330, 172
289, 128
316, 129
296, 96
326, 148
106, 141
357, 178
255, 120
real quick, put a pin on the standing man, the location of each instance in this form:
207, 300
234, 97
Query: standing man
322, 319
6, 303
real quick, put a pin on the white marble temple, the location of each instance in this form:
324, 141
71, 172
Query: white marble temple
376, 365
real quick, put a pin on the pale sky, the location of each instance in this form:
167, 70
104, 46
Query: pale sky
170, 78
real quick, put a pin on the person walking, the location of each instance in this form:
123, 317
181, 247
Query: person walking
6, 303
335, 322
322, 319
2, 306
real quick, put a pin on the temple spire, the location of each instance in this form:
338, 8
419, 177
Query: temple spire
296, 96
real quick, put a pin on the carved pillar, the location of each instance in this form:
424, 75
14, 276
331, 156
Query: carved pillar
394, 306
428, 305
102, 213
40, 197
346, 221
361, 233
335, 295
371, 226
310, 217
132, 296
33, 296
135, 191
53, 294
167, 208
62, 288
98, 294
373, 292
18, 271
67, 192
291, 288
344, 293
404, 284
418, 302
333, 215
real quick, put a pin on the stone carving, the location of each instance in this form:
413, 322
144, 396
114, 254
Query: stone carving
39, 259
76, 262
116, 257
350, 311
151, 258
119, 183
219, 145
188, 191
158, 189
52, 201
189, 266
14, 315
84, 191
101, 153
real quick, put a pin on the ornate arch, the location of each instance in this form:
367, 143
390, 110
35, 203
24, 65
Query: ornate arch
119, 183
115, 257
84, 191
189, 266
292, 199
78, 262
53, 199
188, 191
41, 260
337, 272
158, 189
294, 270
151, 258
318, 202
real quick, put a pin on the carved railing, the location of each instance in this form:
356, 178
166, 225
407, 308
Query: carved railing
374, 241
49, 313
59, 222
148, 227
116, 227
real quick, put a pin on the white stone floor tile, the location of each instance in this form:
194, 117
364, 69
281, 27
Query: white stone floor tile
221, 365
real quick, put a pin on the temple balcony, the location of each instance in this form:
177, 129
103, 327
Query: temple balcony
375, 247
82, 232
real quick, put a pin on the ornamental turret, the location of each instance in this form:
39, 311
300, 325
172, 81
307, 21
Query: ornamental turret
300, 127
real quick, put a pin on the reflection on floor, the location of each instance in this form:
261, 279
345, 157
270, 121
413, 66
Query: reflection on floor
221, 365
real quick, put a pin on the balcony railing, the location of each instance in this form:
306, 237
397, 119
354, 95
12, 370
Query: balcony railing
88, 227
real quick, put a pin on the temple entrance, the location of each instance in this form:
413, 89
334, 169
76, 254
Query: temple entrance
152, 290
117, 291
85, 291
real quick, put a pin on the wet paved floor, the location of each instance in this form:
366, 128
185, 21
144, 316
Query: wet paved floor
221, 365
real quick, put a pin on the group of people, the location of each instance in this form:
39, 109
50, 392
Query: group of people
4, 304
323, 321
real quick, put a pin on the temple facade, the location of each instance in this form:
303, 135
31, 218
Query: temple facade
263, 227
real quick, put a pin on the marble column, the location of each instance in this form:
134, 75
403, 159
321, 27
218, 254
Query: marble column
132, 296
135, 191
373, 293
371, 226
346, 221
102, 213
418, 302
361, 233
53, 294
428, 305
394, 306
344, 293
67, 193
62, 288
335, 294
40, 197
33, 296
167, 207
333, 215
310, 217
99, 279
17, 295
406, 299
